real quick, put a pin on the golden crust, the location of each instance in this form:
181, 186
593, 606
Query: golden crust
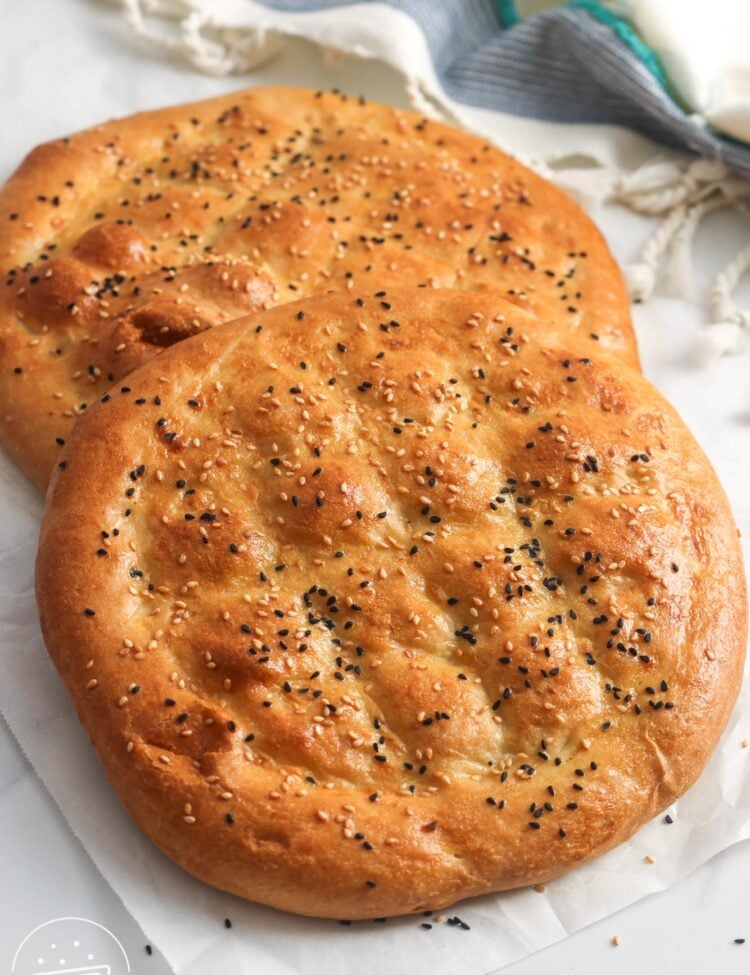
133, 235
374, 603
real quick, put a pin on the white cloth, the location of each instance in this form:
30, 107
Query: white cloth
705, 50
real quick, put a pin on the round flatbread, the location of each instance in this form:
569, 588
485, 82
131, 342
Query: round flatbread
127, 238
377, 601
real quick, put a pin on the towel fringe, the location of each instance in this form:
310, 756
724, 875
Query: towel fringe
701, 188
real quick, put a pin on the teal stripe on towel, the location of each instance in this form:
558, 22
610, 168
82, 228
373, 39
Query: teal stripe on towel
627, 35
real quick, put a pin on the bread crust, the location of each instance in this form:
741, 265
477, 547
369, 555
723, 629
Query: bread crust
130, 236
375, 602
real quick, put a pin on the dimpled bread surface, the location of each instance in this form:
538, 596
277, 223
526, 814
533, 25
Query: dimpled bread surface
381, 600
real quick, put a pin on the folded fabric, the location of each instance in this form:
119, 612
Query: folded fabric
703, 51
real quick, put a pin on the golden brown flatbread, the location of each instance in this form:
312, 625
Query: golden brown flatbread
385, 599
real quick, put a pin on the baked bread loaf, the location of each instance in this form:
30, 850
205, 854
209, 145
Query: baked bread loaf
377, 601
127, 238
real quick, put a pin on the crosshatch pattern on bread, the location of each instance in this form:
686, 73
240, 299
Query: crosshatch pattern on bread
122, 240
378, 601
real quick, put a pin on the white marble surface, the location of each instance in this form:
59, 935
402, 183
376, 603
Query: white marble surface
45, 872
